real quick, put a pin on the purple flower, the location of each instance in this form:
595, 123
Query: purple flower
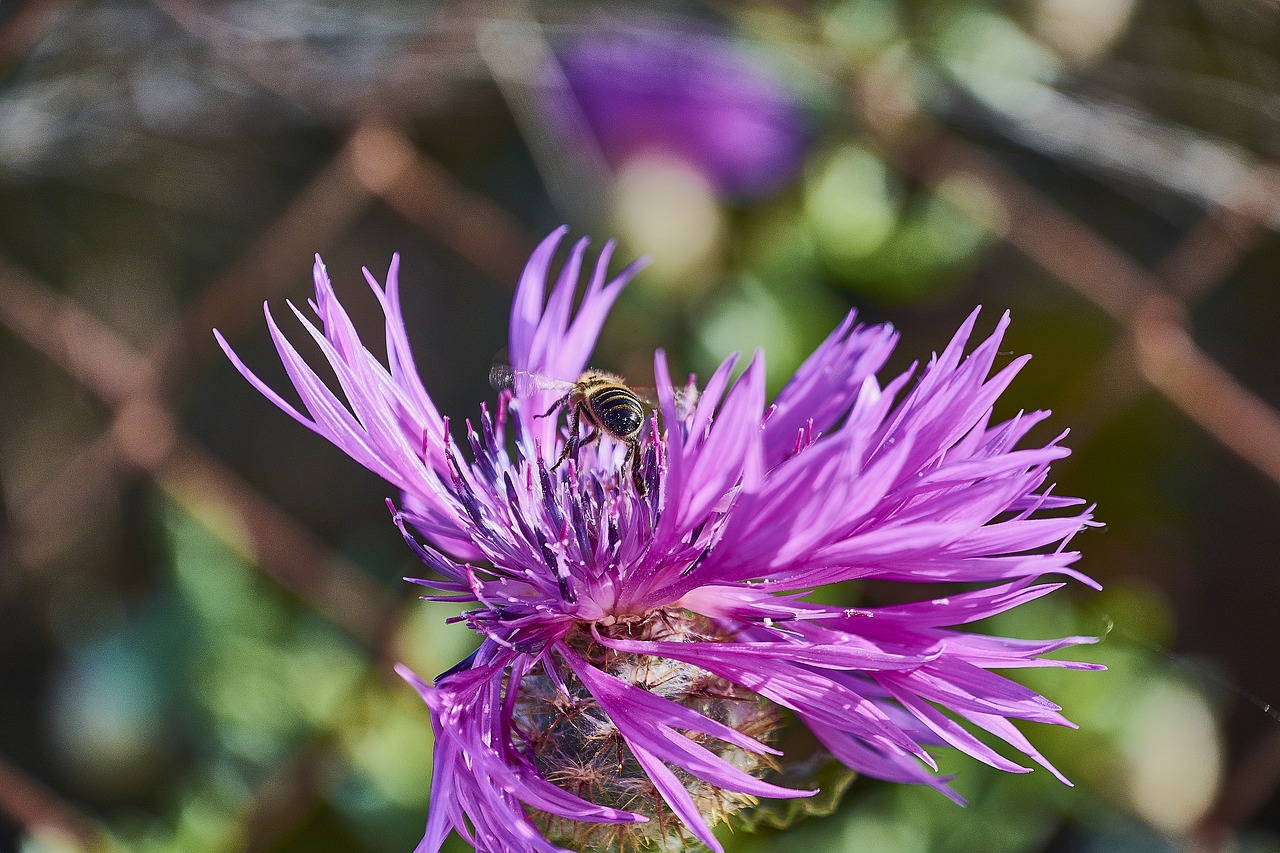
638, 638
691, 96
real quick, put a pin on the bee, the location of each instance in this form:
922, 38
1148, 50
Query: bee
602, 400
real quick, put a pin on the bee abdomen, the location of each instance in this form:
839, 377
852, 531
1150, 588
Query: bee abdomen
617, 410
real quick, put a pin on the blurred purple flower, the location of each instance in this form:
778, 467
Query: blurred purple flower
638, 641
693, 97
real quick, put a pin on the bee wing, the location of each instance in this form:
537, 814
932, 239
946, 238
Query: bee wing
504, 377
686, 398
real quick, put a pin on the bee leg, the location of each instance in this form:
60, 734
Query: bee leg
633, 454
556, 405
570, 445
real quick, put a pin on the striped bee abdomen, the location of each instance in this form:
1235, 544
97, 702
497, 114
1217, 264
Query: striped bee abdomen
616, 410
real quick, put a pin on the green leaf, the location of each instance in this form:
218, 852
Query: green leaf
821, 771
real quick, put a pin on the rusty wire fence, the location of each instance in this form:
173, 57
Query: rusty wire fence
138, 436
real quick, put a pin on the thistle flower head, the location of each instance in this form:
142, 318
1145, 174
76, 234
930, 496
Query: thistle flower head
640, 632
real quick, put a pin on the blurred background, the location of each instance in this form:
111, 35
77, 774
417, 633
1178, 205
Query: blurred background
200, 601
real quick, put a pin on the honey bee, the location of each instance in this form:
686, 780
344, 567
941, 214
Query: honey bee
601, 400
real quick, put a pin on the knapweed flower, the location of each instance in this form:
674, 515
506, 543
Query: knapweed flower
688, 95
640, 638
